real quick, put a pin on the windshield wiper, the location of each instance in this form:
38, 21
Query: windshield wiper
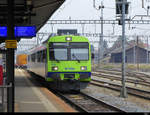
57, 60
76, 58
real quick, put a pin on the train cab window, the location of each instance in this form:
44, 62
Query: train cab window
79, 50
79, 54
58, 53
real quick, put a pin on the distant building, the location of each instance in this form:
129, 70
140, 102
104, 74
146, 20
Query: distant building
134, 54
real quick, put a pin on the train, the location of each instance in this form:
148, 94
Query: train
64, 61
21, 61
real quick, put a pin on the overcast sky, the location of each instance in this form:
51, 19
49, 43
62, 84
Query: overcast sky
84, 10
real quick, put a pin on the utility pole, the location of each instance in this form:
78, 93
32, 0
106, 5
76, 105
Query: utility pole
123, 90
147, 51
134, 51
137, 54
142, 3
101, 36
100, 48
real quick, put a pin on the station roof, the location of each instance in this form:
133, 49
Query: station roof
29, 12
41, 11
44, 10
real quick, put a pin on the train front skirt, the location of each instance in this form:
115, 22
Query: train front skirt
69, 81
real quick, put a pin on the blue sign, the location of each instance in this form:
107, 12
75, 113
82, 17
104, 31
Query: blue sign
3, 31
25, 31
19, 31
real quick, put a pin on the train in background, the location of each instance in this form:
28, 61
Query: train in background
21, 61
64, 61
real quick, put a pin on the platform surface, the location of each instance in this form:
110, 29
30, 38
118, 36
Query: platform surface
33, 98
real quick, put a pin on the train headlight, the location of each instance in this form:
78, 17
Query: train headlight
83, 67
68, 39
55, 68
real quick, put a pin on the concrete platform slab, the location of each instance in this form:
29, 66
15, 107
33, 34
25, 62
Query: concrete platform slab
30, 98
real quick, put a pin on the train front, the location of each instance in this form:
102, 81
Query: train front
69, 62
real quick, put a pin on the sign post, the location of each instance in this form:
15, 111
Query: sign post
10, 58
14, 11
1, 75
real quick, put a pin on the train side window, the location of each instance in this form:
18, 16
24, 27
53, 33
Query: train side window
38, 56
28, 58
41, 56
44, 56
33, 57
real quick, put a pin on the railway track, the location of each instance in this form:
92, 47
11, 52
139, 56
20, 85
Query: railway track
86, 103
131, 78
138, 75
81, 101
133, 91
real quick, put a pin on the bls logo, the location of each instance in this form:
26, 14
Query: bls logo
69, 68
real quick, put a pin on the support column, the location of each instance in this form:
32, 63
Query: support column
10, 58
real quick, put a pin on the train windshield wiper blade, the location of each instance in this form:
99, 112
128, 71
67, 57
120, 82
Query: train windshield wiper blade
76, 58
57, 60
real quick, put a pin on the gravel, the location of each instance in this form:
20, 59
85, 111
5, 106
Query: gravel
120, 102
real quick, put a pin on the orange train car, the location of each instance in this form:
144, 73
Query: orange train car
21, 61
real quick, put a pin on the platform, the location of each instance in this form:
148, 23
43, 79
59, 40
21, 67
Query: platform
34, 98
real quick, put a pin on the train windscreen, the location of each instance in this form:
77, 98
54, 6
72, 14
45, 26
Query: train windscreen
69, 51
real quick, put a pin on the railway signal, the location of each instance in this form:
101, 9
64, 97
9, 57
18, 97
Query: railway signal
119, 9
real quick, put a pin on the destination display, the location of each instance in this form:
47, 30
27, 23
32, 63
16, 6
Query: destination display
19, 31
3, 31
25, 31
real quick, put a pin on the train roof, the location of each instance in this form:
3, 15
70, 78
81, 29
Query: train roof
37, 48
55, 38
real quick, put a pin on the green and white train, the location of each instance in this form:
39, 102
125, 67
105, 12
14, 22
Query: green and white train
64, 61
